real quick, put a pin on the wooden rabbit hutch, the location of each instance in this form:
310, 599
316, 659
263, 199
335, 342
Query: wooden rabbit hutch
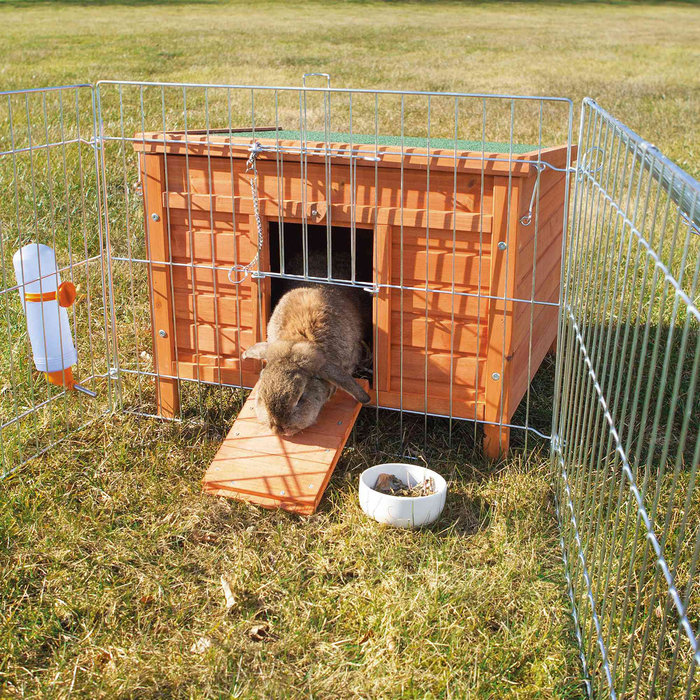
447, 231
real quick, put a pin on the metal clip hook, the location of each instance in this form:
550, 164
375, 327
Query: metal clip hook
584, 164
318, 75
526, 220
245, 269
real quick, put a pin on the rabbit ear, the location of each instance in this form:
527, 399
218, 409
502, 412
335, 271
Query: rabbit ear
343, 380
256, 352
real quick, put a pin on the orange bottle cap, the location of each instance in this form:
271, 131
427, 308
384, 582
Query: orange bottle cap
66, 294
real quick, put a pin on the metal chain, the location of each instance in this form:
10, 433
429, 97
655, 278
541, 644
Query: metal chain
255, 150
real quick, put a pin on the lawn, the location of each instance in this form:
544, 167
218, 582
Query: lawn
111, 559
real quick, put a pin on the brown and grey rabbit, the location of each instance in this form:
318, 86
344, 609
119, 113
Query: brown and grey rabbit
314, 343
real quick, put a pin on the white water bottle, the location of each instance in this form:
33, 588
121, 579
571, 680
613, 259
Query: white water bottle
44, 299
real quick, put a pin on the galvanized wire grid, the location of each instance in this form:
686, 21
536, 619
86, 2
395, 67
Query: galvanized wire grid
626, 445
625, 430
127, 110
50, 195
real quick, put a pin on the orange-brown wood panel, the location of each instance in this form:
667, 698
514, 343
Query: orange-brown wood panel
198, 218
223, 210
203, 279
433, 367
383, 187
427, 229
412, 266
459, 402
224, 309
158, 249
503, 277
468, 307
261, 295
205, 246
439, 333
217, 370
206, 338
528, 356
382, 307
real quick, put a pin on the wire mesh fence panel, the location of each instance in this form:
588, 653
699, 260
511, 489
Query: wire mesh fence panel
50, 203
183, 213
626, 445
441, 214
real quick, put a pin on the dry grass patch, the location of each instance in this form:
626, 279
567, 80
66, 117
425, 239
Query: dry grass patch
112, 562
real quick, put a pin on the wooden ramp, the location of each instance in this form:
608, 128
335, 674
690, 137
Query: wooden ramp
253, 464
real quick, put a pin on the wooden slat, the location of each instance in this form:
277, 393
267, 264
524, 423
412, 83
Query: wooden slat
382, 308
554, 155
446, 240
256, 465
466, 269
548, 265
158, 245
222, 309
544, 333
441, 367
441, 332
204, 220
199, 205
203, 279
218, 370
209, 339
503, 277
205, 245
462, 405
367, 187
443, 303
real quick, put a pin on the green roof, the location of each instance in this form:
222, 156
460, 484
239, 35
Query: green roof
398, 141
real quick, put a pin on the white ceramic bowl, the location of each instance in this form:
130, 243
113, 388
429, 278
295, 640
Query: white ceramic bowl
402, 511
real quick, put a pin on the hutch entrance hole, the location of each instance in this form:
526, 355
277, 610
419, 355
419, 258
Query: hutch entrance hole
286, 244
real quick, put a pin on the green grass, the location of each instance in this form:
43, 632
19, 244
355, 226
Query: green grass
110, 556
113, 565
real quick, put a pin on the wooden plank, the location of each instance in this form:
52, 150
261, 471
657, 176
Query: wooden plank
205, 220
256, 465
201, 246
223, 309
462, 405
162, 318
367, 187
441, 302
554, 156
383, 302
441, 366
413, 266
207, 338
503, 277
548, 266
544, 333
441, 333
261, 285
185, 277
447, 240
218, 370
199, 206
